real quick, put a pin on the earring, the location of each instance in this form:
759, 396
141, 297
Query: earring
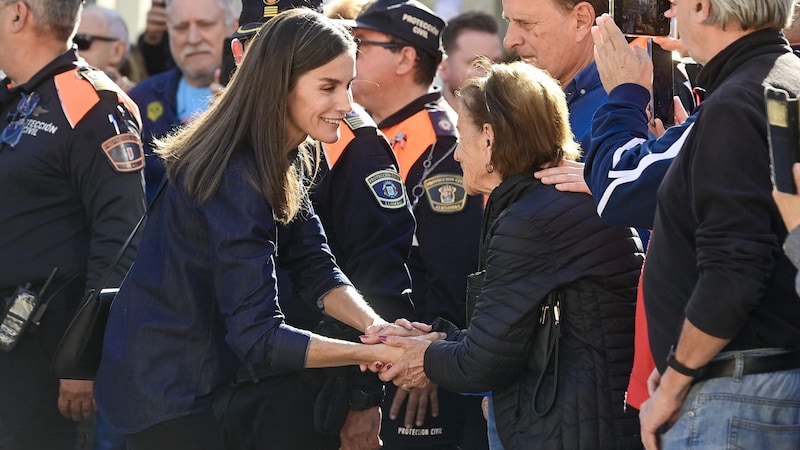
489, 168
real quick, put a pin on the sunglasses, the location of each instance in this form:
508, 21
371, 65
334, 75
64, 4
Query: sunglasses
390, 45
13, 131
84, 41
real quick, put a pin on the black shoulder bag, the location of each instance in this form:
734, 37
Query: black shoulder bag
544, 353
544, 349
78, 354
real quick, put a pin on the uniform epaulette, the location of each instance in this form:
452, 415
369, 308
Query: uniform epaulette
442, 122
102, 82
359, 121
98, 79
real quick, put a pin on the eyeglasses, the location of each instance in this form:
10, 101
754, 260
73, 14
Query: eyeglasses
84, 41
390, 45
13, 131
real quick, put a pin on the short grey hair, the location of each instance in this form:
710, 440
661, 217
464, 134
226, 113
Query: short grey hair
751, 14
56, 17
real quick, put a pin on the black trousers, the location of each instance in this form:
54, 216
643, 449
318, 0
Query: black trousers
196, 432
275, 414
459, 426
29, 417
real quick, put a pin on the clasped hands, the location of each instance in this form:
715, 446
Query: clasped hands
406, 343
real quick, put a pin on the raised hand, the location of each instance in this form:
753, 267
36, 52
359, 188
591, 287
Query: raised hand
156, 24
617, 62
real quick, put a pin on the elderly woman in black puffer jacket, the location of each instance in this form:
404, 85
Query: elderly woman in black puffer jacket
537, 241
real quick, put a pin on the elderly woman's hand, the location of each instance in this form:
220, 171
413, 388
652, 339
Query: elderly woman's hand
617, 62
406, 371
396, 342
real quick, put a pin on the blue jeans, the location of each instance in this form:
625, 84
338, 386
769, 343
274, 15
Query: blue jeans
491, 426
758, 411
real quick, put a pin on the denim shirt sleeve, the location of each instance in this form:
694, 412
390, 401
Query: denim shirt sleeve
304, 252
242, 236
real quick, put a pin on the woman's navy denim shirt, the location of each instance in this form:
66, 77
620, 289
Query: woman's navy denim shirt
201, 299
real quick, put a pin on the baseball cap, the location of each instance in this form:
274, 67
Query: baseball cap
408, 20
256, 12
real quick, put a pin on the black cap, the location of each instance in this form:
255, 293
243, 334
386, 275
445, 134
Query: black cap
408, 20
256, 12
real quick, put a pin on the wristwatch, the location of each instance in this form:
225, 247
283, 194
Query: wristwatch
361, 400
680, 368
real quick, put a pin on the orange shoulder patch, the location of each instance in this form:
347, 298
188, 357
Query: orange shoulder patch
77, 95
124, 152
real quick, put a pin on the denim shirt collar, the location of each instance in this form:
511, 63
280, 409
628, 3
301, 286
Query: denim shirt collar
586, 80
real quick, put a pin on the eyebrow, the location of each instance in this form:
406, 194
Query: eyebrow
333, 80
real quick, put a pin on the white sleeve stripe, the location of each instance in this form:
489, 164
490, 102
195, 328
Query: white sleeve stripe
628, 145
631, 175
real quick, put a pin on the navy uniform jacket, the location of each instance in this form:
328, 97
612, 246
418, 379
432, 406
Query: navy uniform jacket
359, 197
445, 250
157, 97
71, 188
70, 194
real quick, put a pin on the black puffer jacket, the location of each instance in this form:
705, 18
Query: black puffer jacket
536, 240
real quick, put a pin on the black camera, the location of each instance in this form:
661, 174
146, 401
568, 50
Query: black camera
641, 17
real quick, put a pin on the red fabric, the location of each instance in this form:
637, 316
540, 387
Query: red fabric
643, 363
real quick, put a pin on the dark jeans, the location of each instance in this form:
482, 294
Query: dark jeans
196, 432
274, 414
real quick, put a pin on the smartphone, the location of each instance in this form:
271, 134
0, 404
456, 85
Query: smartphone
641, 17
662, 106
784, 146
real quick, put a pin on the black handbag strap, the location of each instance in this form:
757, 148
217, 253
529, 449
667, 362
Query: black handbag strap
128, 241
553, 302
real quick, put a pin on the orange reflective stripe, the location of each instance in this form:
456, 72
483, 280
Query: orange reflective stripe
77, 95
409, 140
334, 151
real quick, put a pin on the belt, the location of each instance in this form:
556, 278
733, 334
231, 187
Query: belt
751, 364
